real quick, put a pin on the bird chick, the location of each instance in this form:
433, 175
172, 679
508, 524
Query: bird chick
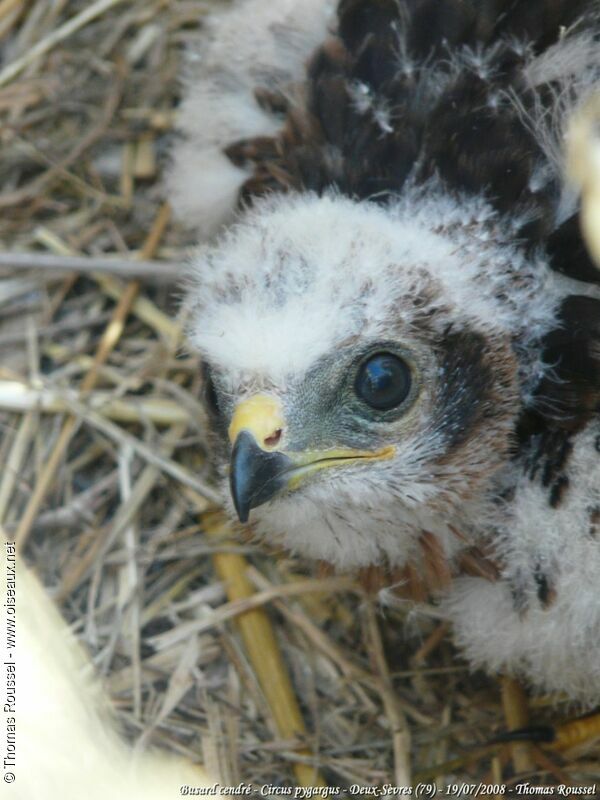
398, 318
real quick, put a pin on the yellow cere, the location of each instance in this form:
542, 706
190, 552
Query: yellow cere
261, 415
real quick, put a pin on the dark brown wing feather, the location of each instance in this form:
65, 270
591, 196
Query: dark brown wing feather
397, 54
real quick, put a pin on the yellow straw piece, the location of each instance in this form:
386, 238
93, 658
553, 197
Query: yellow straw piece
263, 650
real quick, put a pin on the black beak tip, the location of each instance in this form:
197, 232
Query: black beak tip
239, 493
255, 475
242, 508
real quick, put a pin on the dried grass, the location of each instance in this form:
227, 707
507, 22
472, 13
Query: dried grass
211, 647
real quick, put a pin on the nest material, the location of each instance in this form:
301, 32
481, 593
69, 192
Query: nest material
106, 484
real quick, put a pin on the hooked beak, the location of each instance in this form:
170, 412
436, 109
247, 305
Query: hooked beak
259, 470
256, 475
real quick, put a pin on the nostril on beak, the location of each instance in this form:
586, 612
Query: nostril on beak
273, 439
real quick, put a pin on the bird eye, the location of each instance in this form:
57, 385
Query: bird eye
210, 393
383, 381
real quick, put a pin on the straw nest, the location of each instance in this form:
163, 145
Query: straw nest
242, 659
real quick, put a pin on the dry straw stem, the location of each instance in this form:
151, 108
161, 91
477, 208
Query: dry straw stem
55, 37
15, 461
235, 608
108, 342
149, 271
16, 396
516, 712
456, 766
148, 453
263, 650
143, 308
9, 11
397, 719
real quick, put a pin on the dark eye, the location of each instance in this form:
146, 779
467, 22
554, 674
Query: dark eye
383, 382
210, 393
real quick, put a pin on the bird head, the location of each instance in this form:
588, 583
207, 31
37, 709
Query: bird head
362, 369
